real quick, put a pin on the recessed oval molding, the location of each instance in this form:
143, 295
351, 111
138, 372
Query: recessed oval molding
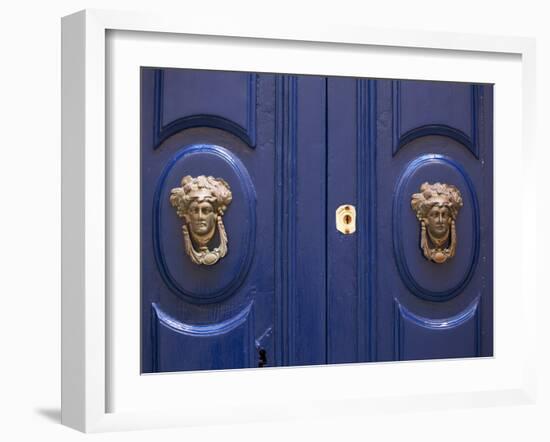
454, 275
205, 284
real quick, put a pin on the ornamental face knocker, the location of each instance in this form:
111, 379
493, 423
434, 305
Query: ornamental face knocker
202, 202
436, 207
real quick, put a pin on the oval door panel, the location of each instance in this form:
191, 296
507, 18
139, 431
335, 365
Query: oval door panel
204, 280
425, 278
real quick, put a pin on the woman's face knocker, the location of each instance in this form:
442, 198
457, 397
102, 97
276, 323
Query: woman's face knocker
436, 207
202, 218
439, 222
202, 201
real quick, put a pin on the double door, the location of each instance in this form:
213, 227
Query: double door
299, 220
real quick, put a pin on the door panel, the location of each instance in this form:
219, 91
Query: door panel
180, 346
418, 337
421, 108
230, 103
427, 309
301, 215
351, 266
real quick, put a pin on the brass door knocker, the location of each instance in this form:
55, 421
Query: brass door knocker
436, 207
202, 202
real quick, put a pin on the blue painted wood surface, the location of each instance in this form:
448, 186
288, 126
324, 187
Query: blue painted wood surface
292, 289
412, 293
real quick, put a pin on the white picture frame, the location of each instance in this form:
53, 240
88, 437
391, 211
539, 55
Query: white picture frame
89, 322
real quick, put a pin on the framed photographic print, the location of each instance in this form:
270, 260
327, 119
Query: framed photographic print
283, 211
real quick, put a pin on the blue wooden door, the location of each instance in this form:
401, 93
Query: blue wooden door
263, 303
262, 162
387, 299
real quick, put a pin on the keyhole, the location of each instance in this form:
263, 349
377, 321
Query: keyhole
345, 219
263, 358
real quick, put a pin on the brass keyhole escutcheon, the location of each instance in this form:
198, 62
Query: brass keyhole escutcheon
345, 219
